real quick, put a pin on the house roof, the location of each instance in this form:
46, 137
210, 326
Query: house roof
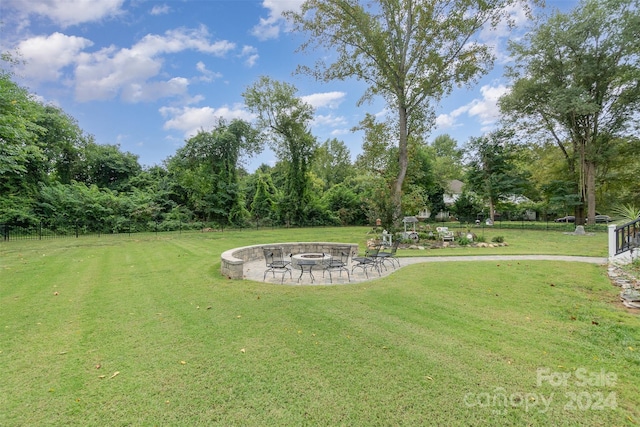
455, 187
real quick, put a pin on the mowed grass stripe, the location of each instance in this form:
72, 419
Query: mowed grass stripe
44, 297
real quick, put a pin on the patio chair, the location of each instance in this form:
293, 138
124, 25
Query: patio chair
275, 261
445, 234
390, 256
370, 260
339, 261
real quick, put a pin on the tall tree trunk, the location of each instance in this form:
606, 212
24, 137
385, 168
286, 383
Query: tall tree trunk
403, 161
590, 172
492, 210
582, 186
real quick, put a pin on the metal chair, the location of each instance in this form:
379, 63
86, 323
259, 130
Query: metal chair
276, 263
391, 255
369, 260
339, 261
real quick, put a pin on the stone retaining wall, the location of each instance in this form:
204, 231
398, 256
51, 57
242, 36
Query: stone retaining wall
233, 260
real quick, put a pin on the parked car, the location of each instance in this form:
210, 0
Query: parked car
603, 219
568, 218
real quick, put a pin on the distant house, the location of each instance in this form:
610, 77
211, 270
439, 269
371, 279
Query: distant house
452, 192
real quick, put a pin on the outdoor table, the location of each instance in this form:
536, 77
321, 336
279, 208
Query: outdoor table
306, 262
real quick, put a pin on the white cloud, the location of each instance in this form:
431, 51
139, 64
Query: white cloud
269, 28
160, 9
105, 73
250, 54
324, 99
190, 120
329, 120
485, 109
181, 39
67, 12
207, 75
45, 57
340, 132
445, 121
138, 92
251, 60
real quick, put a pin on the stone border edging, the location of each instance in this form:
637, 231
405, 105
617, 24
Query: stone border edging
233, 260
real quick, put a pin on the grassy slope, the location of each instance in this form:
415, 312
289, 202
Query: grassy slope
419, 347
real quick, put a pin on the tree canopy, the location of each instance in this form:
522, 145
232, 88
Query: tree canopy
410, 52
284, 119
576, 82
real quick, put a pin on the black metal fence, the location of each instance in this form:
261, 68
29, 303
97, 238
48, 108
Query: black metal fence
628, 237
41, 231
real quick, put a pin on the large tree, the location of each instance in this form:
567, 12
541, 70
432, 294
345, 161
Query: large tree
207, 167
20, 153
491, 170
577, 82
332, 162
410, 52
447, 159
284, 120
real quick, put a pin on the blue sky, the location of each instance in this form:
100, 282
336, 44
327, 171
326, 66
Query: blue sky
148, 74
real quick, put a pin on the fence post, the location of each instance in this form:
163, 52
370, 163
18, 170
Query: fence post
40, 230
611, 229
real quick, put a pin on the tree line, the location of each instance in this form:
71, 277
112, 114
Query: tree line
568, 142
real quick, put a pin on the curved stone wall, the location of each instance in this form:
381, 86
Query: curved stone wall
233, 260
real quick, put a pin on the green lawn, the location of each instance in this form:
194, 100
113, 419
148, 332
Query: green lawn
143, 330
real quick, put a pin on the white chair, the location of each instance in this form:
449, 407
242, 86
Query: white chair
445, 234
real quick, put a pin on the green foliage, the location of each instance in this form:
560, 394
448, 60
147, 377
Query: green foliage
17, 210
426, 236
375, 193
576, 85
492, 173
467, 206
207, 169
107, 167
263, 204
463, 240
628, 212
447, 159
345, 204
61, 143
497, 239
376, 156
20, 155
332, 163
